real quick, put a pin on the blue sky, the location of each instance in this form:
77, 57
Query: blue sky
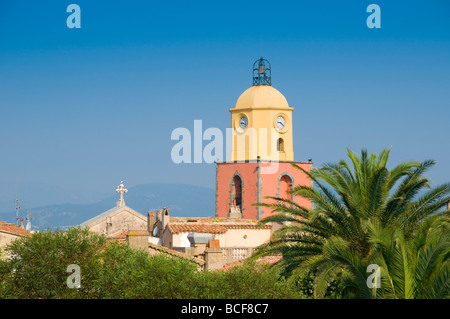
83, 109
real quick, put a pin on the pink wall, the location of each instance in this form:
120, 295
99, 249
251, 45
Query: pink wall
273, 187
225, 173
269, 185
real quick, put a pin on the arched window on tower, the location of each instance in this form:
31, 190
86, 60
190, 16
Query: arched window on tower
235, 210
286, 187
280, 145
237, 191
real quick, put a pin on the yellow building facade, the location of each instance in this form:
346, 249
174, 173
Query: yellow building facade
261, 154
261, 123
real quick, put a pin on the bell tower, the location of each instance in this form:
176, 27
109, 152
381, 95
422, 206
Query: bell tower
261, 120
262, 154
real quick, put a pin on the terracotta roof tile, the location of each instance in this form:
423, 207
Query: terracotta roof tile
263, 260
177, 219
244, 225
212, 227
175, 253
119, 237
176, 228
13, 229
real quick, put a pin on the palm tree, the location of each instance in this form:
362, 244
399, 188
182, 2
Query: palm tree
418, 268
335, 238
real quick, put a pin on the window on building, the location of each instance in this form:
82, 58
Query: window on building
280, 145
237, 190
285, 187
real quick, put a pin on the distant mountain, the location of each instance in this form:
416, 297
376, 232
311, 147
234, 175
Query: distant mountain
181, 199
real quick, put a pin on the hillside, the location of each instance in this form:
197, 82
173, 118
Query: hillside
181, 199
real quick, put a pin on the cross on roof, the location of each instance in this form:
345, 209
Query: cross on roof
121, 190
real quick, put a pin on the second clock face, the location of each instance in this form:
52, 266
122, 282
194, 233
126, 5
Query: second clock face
243, 122
280, 122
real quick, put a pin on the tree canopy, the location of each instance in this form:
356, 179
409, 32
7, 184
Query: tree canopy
366, 214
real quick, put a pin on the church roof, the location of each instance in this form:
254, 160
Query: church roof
261, 96
113, 210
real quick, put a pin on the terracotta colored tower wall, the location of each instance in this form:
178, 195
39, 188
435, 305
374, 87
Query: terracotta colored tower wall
224, 188
257, 180
272, 184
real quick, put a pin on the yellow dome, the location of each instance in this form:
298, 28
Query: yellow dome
260, 96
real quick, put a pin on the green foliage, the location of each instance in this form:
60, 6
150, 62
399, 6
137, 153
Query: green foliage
417, 268
134, 274
249, 281
37, 265
37, 268
362, 214
129, 273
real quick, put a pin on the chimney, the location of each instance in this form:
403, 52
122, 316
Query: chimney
151, 221
159, 214
165, 218
21, 223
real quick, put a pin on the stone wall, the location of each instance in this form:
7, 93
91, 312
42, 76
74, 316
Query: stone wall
116, 223
6, 239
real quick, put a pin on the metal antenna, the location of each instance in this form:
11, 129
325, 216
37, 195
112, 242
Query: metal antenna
17, 204
261, 46
17, 211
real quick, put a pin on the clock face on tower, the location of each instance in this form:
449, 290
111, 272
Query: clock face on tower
243, 122
280, 122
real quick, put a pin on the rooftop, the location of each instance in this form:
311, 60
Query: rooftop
211, 225
13, 229
175, 253
261, 96
176, 228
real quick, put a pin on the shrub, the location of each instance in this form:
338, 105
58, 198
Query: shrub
37, 268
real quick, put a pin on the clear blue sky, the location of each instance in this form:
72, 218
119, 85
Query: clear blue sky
83, 109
